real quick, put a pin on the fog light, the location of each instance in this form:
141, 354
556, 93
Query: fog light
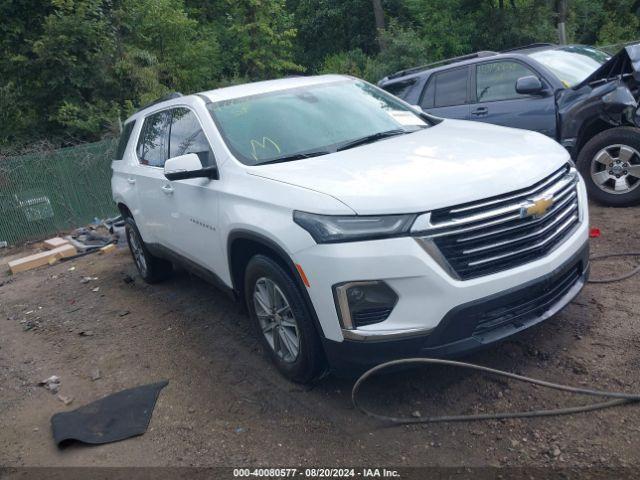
364, 303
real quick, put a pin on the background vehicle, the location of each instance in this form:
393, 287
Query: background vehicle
340, 217
578, 95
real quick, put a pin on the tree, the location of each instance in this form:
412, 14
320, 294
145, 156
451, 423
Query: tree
262, 36
378, 13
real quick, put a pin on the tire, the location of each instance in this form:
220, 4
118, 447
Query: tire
278, 333
610, 166
152, 269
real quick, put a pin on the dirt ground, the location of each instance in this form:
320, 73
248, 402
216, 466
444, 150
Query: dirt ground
226, 405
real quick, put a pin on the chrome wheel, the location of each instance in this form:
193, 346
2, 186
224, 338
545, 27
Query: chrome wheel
616, 169
276, 319
137, 252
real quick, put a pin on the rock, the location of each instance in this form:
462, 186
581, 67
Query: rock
515, 443
65, 400
95, 375
128, 279
124, 313
555, 451
97, 289
416, 414
85, 333
52, 383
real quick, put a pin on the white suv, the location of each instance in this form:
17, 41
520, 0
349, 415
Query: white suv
354, 228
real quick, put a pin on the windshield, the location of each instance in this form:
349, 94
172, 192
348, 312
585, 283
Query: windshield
571, 64
312, 120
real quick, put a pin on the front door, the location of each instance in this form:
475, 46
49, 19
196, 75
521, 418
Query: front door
192, 206
496, 101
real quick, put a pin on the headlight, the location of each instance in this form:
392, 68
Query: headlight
334, 228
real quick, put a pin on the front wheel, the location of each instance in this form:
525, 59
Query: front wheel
282, 320
610, 165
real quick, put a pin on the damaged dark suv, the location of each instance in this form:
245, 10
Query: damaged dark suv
582, 97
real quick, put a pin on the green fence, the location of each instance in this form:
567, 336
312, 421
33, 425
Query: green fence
45, 193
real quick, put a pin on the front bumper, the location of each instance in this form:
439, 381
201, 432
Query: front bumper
474, 325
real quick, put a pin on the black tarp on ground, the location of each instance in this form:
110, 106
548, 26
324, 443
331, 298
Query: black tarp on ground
115, 417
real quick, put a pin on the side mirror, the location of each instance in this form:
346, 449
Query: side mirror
188, 166
529, 85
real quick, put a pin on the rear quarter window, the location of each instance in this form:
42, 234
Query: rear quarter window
124, 139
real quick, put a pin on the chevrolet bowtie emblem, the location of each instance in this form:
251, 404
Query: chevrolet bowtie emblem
537, 207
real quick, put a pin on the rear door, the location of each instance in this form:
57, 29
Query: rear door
496, 101
447, 94
152, 150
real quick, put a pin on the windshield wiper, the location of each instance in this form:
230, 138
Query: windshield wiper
371, 138
295, 156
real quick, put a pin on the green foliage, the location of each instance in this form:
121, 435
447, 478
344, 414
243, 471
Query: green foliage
262, 38
72, 70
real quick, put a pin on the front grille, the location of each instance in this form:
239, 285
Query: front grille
531, 303
370, 316
502, 232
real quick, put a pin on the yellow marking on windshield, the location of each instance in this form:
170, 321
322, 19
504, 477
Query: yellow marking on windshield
255, 144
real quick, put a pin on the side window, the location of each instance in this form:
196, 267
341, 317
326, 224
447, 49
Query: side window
187, 137
451, 87
153, 142
124, 140
400, 89
428, 97
497, 80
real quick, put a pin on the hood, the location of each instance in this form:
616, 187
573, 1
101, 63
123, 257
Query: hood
625, 62
450, 163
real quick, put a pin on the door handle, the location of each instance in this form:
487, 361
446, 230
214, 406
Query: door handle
132, 181
480, 112
168, 189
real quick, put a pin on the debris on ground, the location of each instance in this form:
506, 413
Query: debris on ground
55, 242
82, 241
95, 375
108, 248
40, 259
52, 383
64, 399
116, 417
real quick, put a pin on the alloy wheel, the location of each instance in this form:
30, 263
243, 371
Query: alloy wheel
276, 318
616, 169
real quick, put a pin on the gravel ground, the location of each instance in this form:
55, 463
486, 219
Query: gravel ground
226, 405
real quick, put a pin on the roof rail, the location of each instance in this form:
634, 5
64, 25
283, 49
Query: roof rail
531, 45
483, 53
168, 96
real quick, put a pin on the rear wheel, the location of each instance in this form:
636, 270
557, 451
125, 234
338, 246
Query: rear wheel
283, 322
152, 269
610, 165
